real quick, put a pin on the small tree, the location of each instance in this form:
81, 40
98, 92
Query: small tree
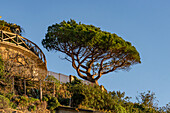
148, 99
91, 51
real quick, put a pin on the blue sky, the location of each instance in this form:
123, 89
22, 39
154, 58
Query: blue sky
145, 23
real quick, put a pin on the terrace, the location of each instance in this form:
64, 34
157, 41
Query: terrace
6, 36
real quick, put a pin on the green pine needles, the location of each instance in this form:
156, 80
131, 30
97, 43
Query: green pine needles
91, 51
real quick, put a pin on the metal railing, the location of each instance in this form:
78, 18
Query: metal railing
19, 40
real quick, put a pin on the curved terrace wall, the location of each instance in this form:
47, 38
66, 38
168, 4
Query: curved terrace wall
21, 56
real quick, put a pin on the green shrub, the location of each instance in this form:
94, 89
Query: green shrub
45, 99
33, 100
4, 102
9, 95
120, 109
52, 102
32, 108
25, 102
13, 105
88, 96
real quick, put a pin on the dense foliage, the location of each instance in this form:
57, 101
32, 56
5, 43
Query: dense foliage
10, 27
52, 102
79, 95
74, 94
92, 97
4, 102
91, 51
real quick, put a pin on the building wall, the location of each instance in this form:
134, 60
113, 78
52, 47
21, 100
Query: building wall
61, 77
65, 78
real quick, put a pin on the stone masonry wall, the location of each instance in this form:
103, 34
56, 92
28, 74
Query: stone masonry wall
20, 61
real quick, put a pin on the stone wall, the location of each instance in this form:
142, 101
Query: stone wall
20, 61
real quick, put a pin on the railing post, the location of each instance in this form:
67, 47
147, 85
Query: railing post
17, 39
40, 90
25, 89
2, 38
